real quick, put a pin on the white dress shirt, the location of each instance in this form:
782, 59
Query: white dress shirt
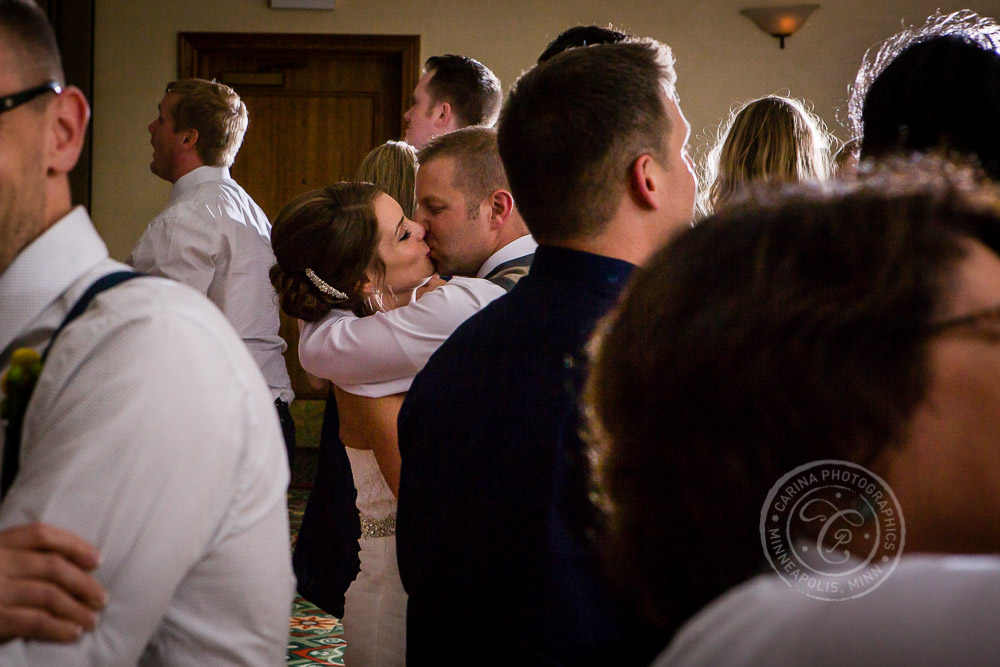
378, 355
151, 435
519, 247
931, 610
213, 237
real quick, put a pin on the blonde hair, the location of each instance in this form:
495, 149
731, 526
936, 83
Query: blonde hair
393, 168
216, 112
772, 138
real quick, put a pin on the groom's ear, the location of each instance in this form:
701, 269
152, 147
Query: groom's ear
501, 204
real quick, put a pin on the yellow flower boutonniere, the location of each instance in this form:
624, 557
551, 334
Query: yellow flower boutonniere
18, 383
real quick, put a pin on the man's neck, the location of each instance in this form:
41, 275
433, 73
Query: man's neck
512, 229
184, 170
628, 236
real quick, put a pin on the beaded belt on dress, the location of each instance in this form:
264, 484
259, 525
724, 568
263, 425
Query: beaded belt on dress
372, 527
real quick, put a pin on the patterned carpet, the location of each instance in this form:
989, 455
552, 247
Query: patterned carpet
314, 637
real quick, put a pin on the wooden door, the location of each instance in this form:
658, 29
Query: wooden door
73, 24
317, 105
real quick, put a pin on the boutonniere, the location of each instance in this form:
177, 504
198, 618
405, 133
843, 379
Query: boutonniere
18, 383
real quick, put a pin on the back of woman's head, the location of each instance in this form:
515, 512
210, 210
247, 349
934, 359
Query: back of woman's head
769, 139
392, 167
325, 242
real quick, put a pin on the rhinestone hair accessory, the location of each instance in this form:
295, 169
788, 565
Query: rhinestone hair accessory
323, 287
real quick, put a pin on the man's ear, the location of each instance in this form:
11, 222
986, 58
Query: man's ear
190, 139
442, 115
70, 113
501, 204
644, 182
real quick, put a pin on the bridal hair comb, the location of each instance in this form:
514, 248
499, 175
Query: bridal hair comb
323, 287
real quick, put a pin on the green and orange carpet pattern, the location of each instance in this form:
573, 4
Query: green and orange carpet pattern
314, 637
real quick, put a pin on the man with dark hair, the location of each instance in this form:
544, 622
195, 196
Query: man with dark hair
857, 324
583, 35
212, 236
132, 415
933, 88
454, 92
465, 204
492, 523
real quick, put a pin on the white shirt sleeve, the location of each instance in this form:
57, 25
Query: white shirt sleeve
178, 249
152, 437
352, 351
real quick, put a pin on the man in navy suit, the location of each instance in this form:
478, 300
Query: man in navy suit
493, 506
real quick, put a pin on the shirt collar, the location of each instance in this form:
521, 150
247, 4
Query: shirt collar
585, 270
196, 177
519, 247
45, 270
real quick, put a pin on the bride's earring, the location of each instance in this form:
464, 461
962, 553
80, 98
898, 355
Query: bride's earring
375, 300
392, 295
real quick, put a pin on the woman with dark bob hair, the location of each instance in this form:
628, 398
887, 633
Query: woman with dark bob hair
356, 272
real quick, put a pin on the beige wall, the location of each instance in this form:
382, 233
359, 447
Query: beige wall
722, 59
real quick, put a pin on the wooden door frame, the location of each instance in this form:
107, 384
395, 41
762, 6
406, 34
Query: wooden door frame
73, 24
192, 44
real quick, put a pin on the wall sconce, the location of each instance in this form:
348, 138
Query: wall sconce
779, 22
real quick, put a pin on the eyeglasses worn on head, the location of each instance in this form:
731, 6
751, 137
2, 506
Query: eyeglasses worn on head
17, 99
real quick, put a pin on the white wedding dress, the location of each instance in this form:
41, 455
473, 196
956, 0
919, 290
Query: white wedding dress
374, 357
375, 604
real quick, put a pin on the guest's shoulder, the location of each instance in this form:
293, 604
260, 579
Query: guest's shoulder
160, 317
942, 599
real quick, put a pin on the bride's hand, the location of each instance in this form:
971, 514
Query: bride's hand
433, 282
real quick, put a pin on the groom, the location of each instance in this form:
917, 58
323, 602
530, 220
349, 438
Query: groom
464, 202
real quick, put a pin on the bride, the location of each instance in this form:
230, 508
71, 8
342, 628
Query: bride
357, 272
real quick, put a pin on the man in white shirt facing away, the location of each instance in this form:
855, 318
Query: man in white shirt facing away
212, 236
148, 433
454, 92
464, 203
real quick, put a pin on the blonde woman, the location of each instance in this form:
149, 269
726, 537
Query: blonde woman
770, 139
393, 168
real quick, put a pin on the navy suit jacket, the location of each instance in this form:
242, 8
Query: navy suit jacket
493, 498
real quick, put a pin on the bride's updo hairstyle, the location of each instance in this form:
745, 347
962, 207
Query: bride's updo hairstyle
325, 244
